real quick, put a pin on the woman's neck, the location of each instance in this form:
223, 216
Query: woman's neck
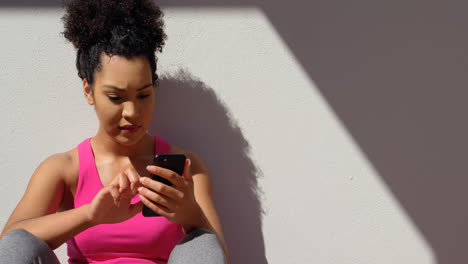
107, 146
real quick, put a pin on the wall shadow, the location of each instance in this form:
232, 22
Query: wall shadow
59, 3
31, 3
188, 114
394, 72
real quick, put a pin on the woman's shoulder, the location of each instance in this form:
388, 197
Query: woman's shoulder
179, 150
64, 163
62, 159
196, 160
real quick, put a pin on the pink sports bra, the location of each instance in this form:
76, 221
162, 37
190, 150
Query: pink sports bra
137, 240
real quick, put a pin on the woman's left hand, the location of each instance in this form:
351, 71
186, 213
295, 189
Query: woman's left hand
177, 202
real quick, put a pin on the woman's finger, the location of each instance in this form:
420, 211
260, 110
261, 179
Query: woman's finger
159, 209
133, 177
114, 192
124, 184
156, 197
167, 174
161, 188
187, 175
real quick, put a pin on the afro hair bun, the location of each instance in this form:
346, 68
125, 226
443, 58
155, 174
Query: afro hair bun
91, 22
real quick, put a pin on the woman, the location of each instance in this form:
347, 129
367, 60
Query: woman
98, 189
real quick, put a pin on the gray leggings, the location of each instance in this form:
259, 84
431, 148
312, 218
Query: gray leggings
21, 247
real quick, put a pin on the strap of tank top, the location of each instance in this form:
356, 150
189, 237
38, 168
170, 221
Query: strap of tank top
162, 146
87, 174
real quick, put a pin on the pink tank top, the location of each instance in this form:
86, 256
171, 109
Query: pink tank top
137, 240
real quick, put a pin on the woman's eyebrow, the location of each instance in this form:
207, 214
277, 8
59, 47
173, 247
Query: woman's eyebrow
123, 90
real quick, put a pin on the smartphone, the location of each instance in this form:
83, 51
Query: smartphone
174, 162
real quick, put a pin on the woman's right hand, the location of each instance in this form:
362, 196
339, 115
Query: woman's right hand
112, 204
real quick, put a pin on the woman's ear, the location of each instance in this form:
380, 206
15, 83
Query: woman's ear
88, 92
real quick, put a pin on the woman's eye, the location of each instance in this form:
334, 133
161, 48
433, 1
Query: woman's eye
114, 98
144, 96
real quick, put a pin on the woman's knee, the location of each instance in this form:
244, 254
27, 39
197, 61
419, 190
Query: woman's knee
20, 246
15, 236
199, 246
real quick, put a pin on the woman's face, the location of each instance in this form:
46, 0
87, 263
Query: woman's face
123, 97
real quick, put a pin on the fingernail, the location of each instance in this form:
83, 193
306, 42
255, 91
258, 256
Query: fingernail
139, 189
189, 162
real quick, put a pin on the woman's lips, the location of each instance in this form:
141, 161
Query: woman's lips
129, 129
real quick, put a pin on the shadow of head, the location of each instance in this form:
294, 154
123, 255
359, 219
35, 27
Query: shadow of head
188, 114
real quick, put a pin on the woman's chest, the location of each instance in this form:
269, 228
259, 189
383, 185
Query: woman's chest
108, 170
100, 173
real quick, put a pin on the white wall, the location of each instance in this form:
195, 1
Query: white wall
300, 174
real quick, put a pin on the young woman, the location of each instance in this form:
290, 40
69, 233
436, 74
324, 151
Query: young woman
91, 197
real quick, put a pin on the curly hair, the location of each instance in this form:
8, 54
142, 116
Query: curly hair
126, 28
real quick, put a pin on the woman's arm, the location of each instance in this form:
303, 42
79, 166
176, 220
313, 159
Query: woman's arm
189, 201
55, 229
36, 210
204, 196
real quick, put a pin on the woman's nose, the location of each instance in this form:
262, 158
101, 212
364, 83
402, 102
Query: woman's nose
130, 110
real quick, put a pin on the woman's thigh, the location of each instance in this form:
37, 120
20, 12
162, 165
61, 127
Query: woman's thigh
199, 246
20, 247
